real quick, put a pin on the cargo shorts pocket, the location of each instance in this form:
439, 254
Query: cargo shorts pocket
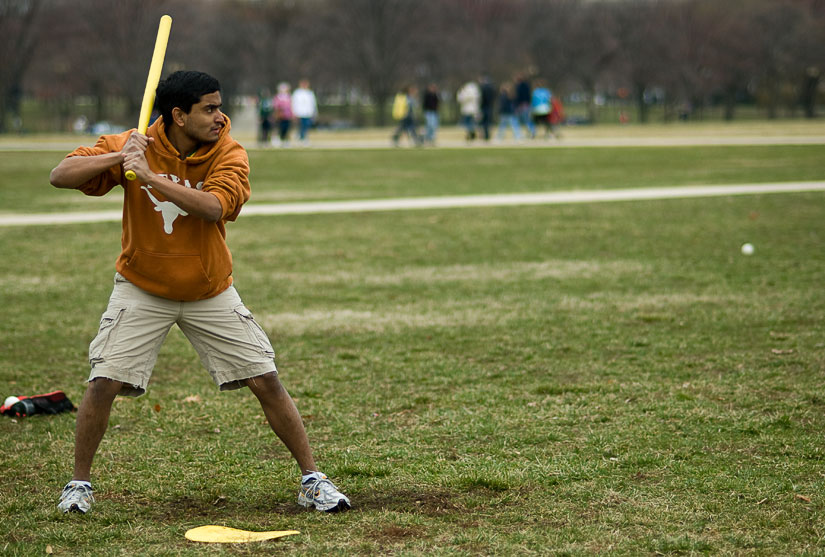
257, 336
106, 335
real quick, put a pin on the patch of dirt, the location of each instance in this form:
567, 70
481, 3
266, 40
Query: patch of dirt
195, 507
431, 503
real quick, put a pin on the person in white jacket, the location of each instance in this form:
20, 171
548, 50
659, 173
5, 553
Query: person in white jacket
305, 108
469, 101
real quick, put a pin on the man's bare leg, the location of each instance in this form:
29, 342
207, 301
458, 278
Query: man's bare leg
92, 421
283, 418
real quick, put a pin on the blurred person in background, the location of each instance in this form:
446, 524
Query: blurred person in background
282, 105
556, 117
305, 108
488, 106
540, 106
264, 117
524, 95
469, 103
507, 111
430, 103
406, 118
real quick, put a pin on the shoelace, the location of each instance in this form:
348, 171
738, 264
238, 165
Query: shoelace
77, 490
313, 489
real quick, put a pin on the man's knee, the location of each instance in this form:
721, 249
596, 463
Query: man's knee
266, 383
102, 388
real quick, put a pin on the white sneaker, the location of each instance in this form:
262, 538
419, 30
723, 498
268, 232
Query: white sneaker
318, 491
76, 498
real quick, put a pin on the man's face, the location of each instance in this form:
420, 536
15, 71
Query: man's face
205, 121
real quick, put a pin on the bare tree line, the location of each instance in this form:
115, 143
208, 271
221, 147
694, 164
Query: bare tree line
696, 52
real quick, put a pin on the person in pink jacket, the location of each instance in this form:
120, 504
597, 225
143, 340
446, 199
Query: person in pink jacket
282, 104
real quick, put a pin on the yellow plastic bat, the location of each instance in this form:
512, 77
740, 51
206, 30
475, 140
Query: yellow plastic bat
164, 28
224, 534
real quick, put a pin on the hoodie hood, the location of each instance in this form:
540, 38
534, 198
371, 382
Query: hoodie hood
165, 148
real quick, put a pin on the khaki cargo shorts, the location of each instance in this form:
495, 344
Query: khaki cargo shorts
231, 345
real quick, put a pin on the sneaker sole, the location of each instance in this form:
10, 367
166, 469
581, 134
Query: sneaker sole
74, 509
340, 507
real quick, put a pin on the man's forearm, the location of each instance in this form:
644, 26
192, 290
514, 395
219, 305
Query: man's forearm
195, 202
75, 171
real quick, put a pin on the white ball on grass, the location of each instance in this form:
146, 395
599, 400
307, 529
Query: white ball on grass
747, 249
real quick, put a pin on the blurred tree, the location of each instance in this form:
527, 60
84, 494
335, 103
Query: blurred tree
731, 56
647, 48
691, 73
690, 53
371, 44
547, 29
281, 50
18, 40
581, 45
221, 39
781, 52
813, 46
467, 39
119, 39
489, 41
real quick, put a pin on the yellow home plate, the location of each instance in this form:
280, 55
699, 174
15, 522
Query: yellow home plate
223, 534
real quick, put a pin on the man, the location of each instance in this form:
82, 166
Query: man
175, 267
429, 103
469, 102
488, 106
305, 107
524, 96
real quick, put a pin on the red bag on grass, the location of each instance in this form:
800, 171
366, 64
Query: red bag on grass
49, 403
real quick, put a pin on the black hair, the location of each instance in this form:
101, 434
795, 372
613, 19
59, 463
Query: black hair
182, 89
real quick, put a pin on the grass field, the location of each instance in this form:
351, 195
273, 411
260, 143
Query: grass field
320, 175
568, 380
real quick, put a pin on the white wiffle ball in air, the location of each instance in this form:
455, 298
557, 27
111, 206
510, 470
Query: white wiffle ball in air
747, 249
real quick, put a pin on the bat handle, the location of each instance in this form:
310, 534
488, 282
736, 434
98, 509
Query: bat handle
130, 174
164, 28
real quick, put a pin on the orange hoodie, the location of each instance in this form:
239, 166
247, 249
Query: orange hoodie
165, 251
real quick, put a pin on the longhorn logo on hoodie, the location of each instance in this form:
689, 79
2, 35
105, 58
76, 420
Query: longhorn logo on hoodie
168, 210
